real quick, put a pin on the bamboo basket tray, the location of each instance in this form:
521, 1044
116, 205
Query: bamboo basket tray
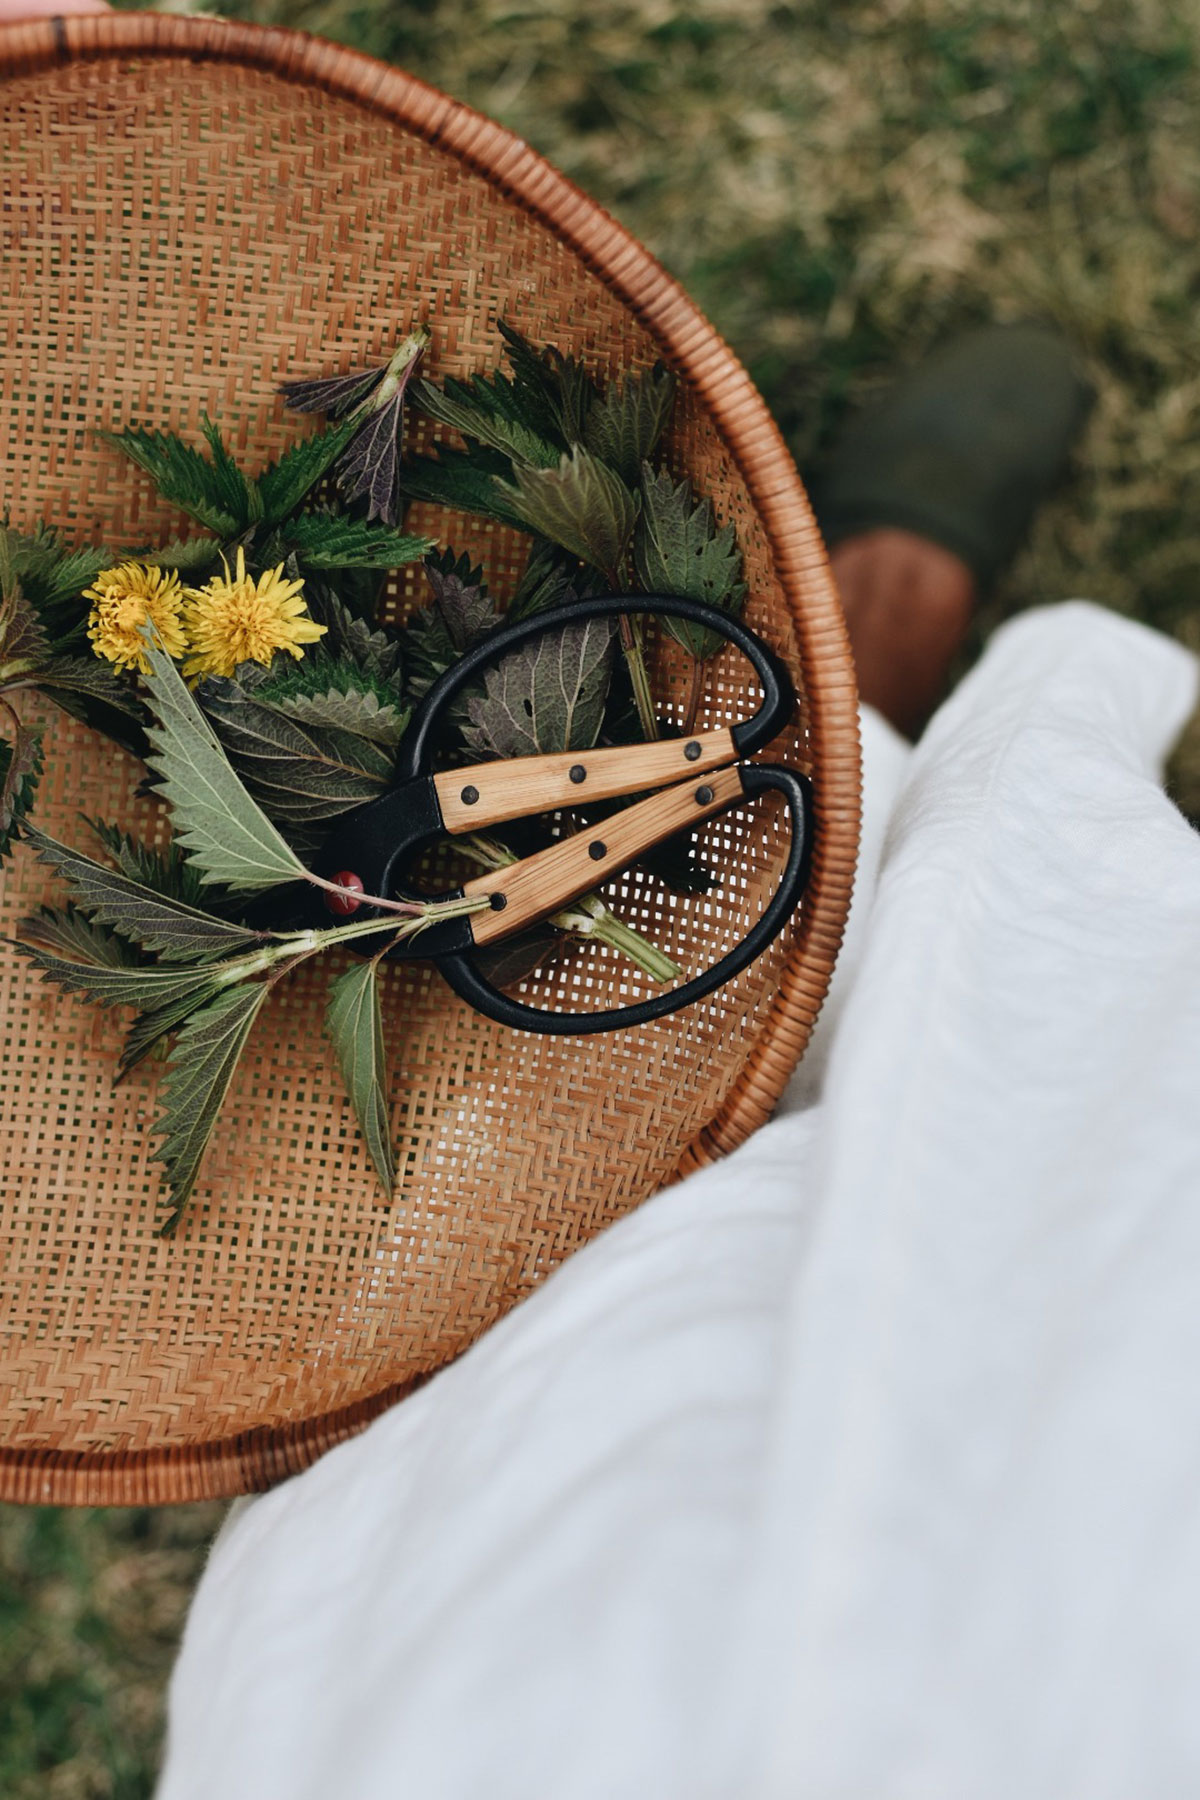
191, 209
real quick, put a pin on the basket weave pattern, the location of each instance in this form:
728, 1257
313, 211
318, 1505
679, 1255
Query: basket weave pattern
190, 210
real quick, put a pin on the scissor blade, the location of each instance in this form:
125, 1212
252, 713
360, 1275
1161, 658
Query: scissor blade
489, 793
539, 885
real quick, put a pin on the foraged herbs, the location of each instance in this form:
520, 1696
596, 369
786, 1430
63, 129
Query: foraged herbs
248, 667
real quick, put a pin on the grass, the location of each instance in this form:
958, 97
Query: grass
840, 186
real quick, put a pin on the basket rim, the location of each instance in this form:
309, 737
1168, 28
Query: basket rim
255, 1460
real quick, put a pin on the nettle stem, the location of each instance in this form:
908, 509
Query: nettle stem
633, 649
586, 917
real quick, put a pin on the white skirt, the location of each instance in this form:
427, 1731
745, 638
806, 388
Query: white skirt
866, 1464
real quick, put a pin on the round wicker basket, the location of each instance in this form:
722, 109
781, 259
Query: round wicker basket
191, 209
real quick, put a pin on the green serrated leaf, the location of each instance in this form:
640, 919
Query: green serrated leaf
624, 428
186, 478
52, 577
561, 382
463, 480
678, 549
164, 871
552, 578
155, 920
20, 768
354, 1022
302, 778
225, 833
333, 541
185, 555
71, 934
91, 679
373, 651
485, 409
149, 1030
545, 697
202, 1065
581, 505
283, 484
347, 710
146, 987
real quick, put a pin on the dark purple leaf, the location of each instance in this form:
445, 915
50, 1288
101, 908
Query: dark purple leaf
333, 395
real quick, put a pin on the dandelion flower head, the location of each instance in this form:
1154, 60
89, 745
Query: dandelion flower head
237, 618
123, 600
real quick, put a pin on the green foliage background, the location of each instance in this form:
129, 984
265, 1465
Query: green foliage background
839, 186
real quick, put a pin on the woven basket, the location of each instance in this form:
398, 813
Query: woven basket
192, 208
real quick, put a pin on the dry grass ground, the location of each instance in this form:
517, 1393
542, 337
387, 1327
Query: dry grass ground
840, 186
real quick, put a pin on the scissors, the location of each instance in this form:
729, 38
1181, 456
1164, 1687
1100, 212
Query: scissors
687, 779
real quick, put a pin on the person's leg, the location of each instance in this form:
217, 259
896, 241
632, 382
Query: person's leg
908, 603
929, 493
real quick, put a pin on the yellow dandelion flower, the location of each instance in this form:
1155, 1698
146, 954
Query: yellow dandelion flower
123, 599
234, 619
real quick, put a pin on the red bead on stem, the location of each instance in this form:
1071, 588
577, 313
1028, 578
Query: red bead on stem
348, 901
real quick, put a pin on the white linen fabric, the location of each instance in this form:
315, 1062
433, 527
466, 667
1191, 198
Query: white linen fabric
865, 1464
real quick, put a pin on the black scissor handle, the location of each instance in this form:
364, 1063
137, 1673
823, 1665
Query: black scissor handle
463, 976
779, 696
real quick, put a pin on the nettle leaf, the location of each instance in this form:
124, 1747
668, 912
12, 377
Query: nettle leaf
624, 428
354, 1022
241, 492
227, 836
463, 480
146, 987
186, 556
547, 696
20, 768
202, 1065
188, 479
91, 679
581, 505
71, 934
351, 710
373, 400
677, 549
562, 382
154, 920
302, 778
552, 578
461, 598
333, 395
87, 689
331, 541
164, 871
149, 1029
373, 650
284, 483
487, 409
371, 463
52, 577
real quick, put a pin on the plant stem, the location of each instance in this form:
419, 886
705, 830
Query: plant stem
590, 917
694, 692
635, 662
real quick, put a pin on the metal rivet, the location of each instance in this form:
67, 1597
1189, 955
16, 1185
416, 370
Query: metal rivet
597, 850
692, 750
469, 796
577, 773
703, 796
499, 902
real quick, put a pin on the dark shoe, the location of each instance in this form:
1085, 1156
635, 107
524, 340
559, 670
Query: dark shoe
964, 448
